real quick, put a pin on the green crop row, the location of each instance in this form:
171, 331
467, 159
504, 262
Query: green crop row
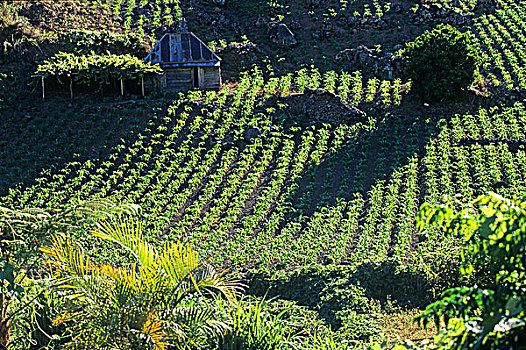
296, 195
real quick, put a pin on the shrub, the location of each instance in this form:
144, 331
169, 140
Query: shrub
258, 324
491, 315
440, 62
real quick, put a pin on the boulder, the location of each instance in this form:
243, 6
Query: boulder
485, 7
397, 8
381, 24
361, 56
280, 34
313, 3
351, 21
384, 66
294, 25
322, 106
261, 22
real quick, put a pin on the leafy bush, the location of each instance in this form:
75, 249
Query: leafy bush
440, 62
490, 316
334, 292
276, 324
253, 327
21, 232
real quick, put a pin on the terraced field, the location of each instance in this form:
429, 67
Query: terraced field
298, 194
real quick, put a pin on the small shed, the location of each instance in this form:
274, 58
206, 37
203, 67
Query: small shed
187, 62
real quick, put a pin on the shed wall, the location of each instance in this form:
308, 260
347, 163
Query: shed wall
179, 79
210, 77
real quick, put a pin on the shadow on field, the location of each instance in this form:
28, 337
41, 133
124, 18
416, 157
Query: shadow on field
336, 290
329, 287
402, 133
39, 135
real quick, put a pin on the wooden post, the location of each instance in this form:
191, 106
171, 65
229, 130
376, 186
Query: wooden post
142, 85
122, 88
43, 89
71, 87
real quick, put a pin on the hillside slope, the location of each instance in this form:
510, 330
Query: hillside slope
318, 209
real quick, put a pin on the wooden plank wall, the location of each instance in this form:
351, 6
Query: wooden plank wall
180, 79
209, 78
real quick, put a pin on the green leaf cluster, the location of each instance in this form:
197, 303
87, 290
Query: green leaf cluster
84, 42
490, 316
166, 299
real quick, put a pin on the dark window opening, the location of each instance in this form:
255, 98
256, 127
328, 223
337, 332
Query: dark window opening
196, 78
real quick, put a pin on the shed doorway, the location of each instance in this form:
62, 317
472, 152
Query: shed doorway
196, 78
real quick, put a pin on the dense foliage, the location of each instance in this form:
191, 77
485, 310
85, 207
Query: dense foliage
21, 294
490, 315
85, 42
94, 68
441, 62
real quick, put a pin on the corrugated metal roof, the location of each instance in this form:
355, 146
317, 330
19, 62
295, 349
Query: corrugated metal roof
180, 50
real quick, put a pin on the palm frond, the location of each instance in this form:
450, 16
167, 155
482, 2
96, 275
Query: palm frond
165, 298
98, 210
211, 280
153, 330
75, 270
183, 268
128, 234
178, 261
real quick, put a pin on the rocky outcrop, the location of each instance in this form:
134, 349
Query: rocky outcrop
321, 106
313, 3
384, 66
147, 11
501, 95
432, 13
251, 134
486, 7
279, 33
355, 22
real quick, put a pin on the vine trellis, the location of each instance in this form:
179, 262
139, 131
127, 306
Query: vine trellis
94, 69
